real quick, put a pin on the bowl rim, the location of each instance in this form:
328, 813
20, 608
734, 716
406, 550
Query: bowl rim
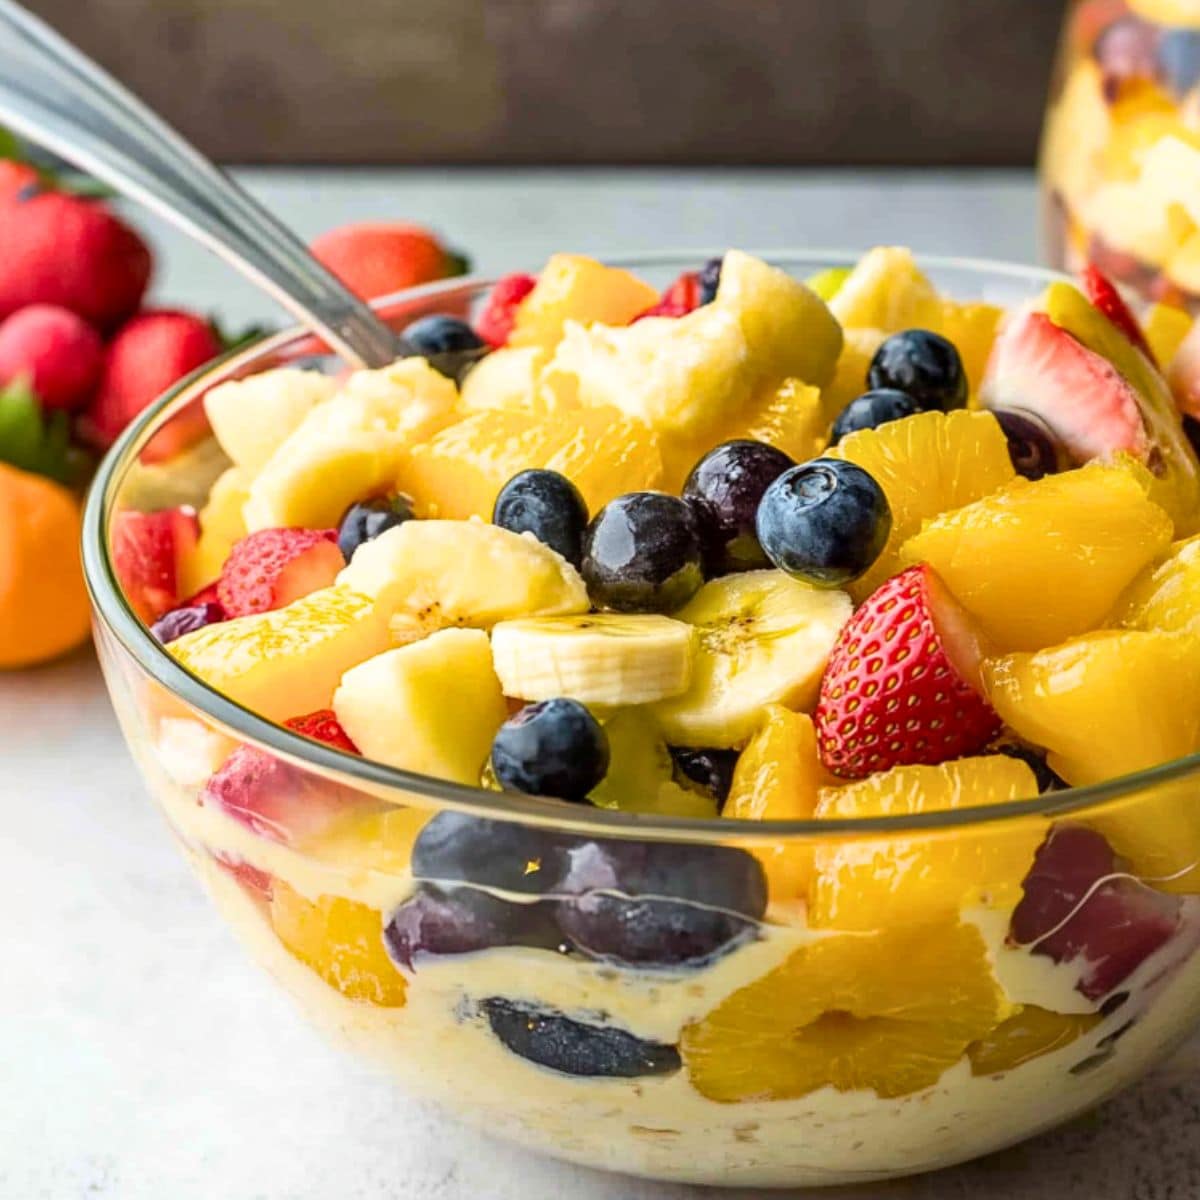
114, 615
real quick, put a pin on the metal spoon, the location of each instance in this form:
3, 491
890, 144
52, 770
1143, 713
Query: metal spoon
54, 95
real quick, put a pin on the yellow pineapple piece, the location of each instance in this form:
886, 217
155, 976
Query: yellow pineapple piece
1026, 1035
869, 883
1167, 594
850, 377
507, 378
381, 841
1165, 327
1039, 561
572, 287
287, 661
926, 465
885, 1012
1139, 123
459, 471
776, 779
972, 328
887, 290
221, 524
342, 941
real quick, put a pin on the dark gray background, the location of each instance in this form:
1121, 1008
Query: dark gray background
585, 81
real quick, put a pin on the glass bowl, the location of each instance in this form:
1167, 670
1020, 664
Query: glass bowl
716, 1001
1121, 145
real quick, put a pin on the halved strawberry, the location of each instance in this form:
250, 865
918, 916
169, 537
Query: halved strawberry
148, 552
1083, 399
1081, 906
681, 298
495, 323
324, 726
272, 567
1103, 294
1184, 373
902, 683
253, 878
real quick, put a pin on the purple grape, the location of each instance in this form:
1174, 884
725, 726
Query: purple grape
1031, 445
461, 920
179, 621
724, 491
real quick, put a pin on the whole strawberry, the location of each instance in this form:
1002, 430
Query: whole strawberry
149, 354
374, 258
65, 250
17, 179
901, 685
59, 353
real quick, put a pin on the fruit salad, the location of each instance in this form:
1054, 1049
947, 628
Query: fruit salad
695, 685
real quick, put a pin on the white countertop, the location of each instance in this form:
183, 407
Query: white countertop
142, 1057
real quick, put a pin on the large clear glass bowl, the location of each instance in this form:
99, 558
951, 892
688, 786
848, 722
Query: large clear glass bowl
654, 996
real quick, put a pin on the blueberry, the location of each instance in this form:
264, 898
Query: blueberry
1191, 428
549, 1038
824, 522
710, 280
656, 904
711, 769
724, 490
366, 520
1179, 59
924, 365
549, 506
1047, 780
460, 920
873, 409
641, 553
186, 620
457, 848
553, 748
1031, 445
449, 344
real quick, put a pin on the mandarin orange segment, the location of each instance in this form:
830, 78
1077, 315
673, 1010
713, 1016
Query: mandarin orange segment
868, 883
887, 1012
342, 941
1026, 1035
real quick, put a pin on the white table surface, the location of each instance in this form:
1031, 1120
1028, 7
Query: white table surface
142, 1057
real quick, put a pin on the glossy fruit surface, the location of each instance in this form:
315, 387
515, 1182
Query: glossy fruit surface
549, 506
366, 520
179, 621
872, 409
1031, 446
1027, 1035
925, 366
448, 343
825, 522
554, 748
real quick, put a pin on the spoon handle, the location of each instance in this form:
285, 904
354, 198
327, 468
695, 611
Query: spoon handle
52, 94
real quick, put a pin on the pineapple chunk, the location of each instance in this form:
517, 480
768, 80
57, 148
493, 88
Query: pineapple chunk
440, 573
432, 707
350, 446
289, 660
888, 291
251, 417
507, 378
221, 524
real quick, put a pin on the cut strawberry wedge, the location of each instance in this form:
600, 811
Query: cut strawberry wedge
148, 553
495, 323
1103, 294
272, 567
1083, 399
324, 726
1081, 907
681, 298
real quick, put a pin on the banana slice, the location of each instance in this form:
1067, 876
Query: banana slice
763, 638
604, 659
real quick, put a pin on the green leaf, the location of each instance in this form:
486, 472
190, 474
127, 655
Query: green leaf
53, 172
9, 146
234, 340
36, 441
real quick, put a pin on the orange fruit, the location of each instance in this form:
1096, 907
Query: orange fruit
867, 883
1037, 562
926, 465
1026, 1035
43, 604
972, 328
776, 779
887, 1011
342, 941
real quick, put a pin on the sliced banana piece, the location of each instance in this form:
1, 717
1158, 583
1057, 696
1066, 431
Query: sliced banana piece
604, 659
434, 574
763, 638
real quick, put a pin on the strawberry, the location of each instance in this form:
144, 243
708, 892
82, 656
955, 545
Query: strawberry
1086, 402
495, 323
148, 552
901, 685
324, 726
681, 298
66, 250
207, 595
255, 880
272, 567
1081, 906
59, 353
1104, 295
1184, 373
151, 352
375, 258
